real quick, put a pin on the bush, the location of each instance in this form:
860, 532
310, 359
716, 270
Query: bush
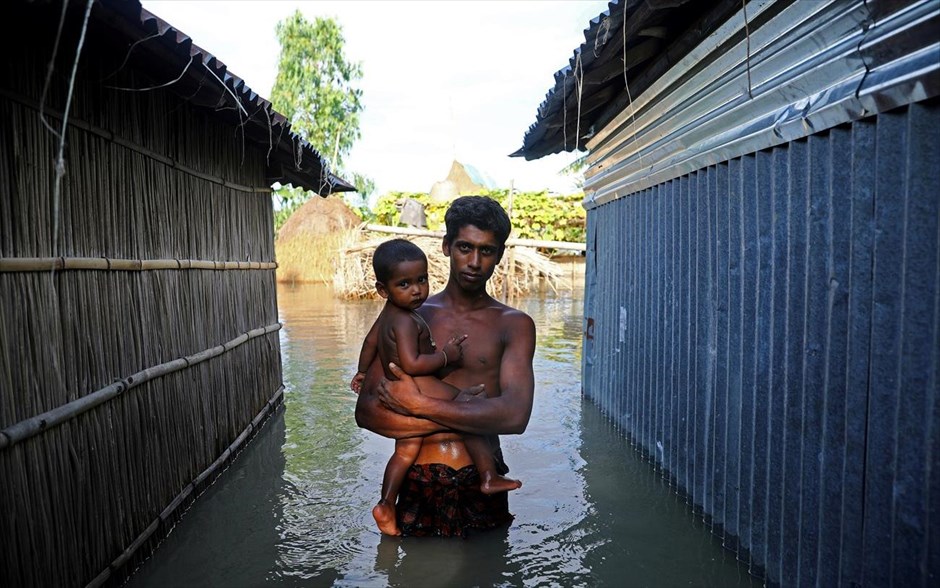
535, 215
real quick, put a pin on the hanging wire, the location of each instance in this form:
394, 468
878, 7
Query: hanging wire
580, 85
242, 121
866, 26
127, 55
147, 89
50, 69
626, 85
60, 155
564, 109
747, 38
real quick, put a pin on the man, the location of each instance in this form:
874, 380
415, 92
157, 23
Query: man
441, 493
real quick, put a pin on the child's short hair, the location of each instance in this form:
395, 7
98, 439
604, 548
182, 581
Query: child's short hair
392, 252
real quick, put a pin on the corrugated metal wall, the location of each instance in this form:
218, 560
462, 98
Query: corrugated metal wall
768, 330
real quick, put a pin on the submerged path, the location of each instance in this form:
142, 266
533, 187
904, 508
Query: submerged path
294, 508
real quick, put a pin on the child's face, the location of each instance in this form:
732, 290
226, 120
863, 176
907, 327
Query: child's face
407, 287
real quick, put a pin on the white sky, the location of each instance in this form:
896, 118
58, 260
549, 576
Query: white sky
441, 80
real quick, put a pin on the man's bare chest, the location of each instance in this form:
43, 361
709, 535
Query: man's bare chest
483, 347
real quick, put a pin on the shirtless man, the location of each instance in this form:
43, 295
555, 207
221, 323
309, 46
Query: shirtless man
495, 376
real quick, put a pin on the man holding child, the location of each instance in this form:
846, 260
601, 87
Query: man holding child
441, 493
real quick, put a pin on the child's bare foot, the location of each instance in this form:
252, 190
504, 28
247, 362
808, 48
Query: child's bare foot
495, 484
384, 515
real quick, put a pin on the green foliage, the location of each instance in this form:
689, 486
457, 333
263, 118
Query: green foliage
316, 90
315, 86
365, 185
535, 215
287, 199
575, 169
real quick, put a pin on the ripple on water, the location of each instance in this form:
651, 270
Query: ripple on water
590, 512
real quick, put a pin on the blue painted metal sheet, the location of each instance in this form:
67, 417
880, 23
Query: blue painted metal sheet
766, 330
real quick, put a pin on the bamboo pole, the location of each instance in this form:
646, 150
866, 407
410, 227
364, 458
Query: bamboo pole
191, 488
508, 289
34, 425
42, 264
567, 245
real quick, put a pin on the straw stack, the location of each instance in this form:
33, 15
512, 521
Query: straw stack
521, 269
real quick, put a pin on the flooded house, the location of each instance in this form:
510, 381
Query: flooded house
139, 344
761, 291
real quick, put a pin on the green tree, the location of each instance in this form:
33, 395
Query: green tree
575, 169
316, 85
316, 89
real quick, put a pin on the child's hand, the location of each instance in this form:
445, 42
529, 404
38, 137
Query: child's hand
454, 349
356, 384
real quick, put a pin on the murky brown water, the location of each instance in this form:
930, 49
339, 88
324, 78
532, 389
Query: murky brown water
294, 508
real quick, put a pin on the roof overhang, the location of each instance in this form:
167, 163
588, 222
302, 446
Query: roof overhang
164, 51
649, 36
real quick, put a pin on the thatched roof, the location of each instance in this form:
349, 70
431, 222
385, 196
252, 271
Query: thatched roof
468, 179
318, 216
166, 53
310, 241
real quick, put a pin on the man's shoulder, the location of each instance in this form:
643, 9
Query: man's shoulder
506, 309
510, 317
518, 316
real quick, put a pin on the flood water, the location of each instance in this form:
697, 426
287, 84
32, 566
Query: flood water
294, 507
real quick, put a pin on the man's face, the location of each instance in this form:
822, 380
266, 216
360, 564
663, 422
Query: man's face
473, 257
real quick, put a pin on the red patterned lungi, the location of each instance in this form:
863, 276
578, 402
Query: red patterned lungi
436, 499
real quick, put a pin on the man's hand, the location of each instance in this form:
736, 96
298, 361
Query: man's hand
404, 397
401, 396
471, 394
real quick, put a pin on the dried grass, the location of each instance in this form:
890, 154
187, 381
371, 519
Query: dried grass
310, 258
521, 269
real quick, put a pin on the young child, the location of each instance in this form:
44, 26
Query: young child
401, 336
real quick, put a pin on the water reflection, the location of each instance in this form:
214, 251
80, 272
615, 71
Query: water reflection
294, 509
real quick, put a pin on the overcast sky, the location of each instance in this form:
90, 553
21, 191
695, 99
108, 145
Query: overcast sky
441, 80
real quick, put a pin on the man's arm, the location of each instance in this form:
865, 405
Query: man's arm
505, 414
374, 416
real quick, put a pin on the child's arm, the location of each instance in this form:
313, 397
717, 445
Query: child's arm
370, 346
415, 363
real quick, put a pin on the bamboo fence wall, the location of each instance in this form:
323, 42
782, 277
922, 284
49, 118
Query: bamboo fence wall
138, 320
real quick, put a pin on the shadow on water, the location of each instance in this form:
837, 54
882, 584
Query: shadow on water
294, 508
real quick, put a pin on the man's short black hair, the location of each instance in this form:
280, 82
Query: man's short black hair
482, 212
391, 253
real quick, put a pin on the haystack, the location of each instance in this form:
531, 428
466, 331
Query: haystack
309, 242
521, 269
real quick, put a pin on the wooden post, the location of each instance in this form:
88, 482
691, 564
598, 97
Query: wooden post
511, 267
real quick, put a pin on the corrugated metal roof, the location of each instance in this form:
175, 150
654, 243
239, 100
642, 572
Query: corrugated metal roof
651, 35
782, 70
157, 45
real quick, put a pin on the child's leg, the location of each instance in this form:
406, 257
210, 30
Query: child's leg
434, 388
490, 480
406, 451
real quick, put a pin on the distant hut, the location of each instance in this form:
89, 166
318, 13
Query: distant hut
138, 319
311, 239
462, 179
761, 292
